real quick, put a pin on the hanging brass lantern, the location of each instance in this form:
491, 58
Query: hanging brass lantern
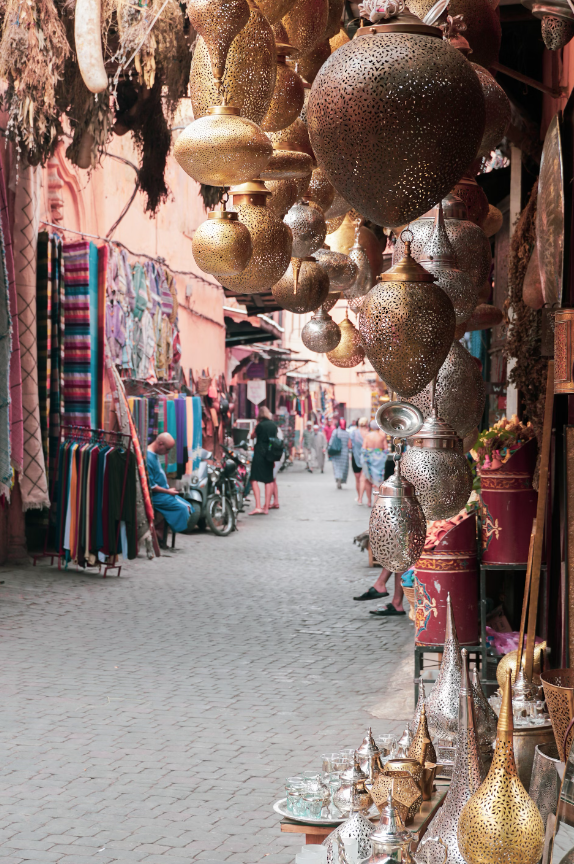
422, 742
438, 469
460, 392
397, 527
222, 245
466, 779
292, 155
340, 38
393, 157
439, 259
341, 271
288, 95
474, 197
407, 326
334, 223
497, 111
270, 238
321, 333
218, 22
331, 302
343, 239
557, 21
223, 148
349, 352
485, 719
308, 293
501, 824
308, 228
483, 30
469, 242
309, 65
442, 703
283, 195
339, 207
250, 71
484, 317
274, 10
364, 281
334, 20
493, 222
320, 191
305, 24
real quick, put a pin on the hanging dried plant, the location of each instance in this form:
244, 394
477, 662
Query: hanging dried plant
33, 50
153, 141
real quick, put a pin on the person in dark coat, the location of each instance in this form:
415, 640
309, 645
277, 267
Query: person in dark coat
262, 467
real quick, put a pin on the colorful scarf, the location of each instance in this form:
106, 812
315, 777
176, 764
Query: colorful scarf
93, 291
57, 354
44, 324
77, 344
5, 351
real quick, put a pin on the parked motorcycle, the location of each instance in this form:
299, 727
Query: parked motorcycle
210, 495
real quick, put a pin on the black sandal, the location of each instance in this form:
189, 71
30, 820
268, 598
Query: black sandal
387, 611
372, 594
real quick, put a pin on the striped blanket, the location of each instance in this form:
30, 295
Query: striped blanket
77, 342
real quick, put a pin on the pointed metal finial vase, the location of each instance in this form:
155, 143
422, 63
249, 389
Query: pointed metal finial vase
422, 742
413, 725
466, 779
442, 704
501, 824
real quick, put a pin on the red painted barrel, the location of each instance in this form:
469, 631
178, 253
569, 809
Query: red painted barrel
449, 568
508, 504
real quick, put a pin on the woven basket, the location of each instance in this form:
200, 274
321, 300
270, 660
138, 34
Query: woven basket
410, 595
558, 687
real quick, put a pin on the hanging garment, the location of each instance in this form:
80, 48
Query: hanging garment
94, 348
121, 500
33, 482
5, 351
180, 436
77, 344
140, 291
57, 355
130, 292
172, 429
44, 341
197, 432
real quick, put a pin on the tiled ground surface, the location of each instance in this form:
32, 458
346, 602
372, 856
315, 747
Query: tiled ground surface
154, 717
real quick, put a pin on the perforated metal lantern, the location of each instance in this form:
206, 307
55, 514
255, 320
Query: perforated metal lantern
439, 259
334, 223
308, 293
442, 703
397, 527
349, 352
321, 333
305, 24
341, 270
364, 280
356, 827
289, 165
283, 195
308, 228
250, 72
222, 245
309, 65
270, 239
343, 239
557, 21
498, 110
438, 469
469, 242
222, 148
320, 191
474, 197
331, 302
288, 95
460, 392
395, 117
483, 30
407, 325
274, 10
218, 22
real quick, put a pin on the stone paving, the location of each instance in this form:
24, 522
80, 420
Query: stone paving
154, 717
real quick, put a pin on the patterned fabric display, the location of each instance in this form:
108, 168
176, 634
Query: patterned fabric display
57, 353
77, 345
44, 323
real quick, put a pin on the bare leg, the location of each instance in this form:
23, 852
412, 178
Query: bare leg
398, 595
368, 491
268, 494
358, 486
274, 499
257, 494
381, 583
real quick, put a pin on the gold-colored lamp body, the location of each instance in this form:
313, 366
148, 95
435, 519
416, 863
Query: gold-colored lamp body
497, 111
305, 24
320, 190
308, 228
341, 270
349, 352
474, 197
483, 29
288, 96
283, 195
310, 292
222, 245
218, 22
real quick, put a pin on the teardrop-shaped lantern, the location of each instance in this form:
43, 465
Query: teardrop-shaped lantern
557, 21
218, 22
469, 242
442, 704
439, 259
460, 392
283, 195
288, 95
341, 270
250, 71
334, 223
483, 29
305, 24
274, 10
223, 148
309, 65
392, 158
501, 824
308, 228
407, 326
397, 527
343, 240
321, 333
474, 197
364, 280
331, 302
485, 721
466, 779
484, 317
493, 222
293, 157
498, 110
339, 207
438, 469
308, 293
422, 742
320, 191
270, 239
222, 245
349, 352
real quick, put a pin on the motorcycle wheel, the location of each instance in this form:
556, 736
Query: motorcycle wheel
219, 516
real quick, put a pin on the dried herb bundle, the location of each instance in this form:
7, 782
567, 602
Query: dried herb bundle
33, 49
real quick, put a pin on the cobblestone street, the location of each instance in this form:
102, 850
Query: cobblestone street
155, 717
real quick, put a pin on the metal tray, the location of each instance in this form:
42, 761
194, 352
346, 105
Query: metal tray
280, 807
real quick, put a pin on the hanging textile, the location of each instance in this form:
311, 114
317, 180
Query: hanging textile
44, 325
94, 313
16, 416
180, 436
5, 352
197, 431
103, 261
171, 457
33, 482
77, 400
57, 354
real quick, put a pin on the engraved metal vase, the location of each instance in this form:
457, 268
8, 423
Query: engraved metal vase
369, 138
222, 245
442, 703
500, 824
349, 352
310, 291
397, 527
407, 325
466, 779
369, 757
308, 228
321, 333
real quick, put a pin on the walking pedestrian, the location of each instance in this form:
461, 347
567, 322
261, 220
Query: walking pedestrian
274, 499
357, 434
320, 444
374, 458
308, 441
262, 467
328, 428
379, 590
338, 451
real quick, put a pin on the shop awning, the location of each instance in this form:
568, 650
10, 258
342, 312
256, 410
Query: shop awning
242, 331
256, 303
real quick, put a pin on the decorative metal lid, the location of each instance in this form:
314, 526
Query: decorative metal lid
435, 434
407, 270
227, 215
399, 419
453, 207
229, 110
388, 830
368, 746
439, 252
397, 486
405, 22
252, 187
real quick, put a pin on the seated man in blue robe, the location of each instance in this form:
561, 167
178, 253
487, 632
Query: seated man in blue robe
166, 501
